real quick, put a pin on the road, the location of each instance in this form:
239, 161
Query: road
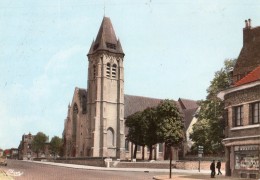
34, 171
26, 170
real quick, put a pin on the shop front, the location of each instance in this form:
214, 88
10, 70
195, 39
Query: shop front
246, 161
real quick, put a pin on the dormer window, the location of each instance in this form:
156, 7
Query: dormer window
110, 45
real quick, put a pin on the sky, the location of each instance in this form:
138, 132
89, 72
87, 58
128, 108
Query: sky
172, 50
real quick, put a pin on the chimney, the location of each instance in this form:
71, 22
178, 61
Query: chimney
249, 23
246, 24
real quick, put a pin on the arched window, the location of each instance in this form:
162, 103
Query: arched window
110, 137
114, 71
74, 121
108, 70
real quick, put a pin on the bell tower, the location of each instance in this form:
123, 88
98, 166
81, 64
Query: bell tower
105, 101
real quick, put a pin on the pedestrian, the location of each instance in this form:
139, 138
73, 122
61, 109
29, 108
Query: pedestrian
213, 169
219, 167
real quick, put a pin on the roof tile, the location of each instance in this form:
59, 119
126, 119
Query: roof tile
251, 77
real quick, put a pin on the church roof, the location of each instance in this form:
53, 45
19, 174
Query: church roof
134, 104
106, 39
188, 116
251, 77
187, 103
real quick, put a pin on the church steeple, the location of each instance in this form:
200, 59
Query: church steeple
106, 39
105, 97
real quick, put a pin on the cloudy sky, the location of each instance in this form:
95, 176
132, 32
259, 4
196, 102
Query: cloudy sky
172, 47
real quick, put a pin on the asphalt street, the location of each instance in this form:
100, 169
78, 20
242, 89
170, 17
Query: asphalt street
33, 170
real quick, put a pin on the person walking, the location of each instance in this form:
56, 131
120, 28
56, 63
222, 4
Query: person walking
213, 169
219, 167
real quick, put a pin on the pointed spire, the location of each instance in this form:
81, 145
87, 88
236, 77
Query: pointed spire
119, 47
106, 39
91, 47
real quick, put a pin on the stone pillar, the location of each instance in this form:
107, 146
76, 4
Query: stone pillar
227, 154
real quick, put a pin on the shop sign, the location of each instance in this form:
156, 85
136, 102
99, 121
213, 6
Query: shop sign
247, 148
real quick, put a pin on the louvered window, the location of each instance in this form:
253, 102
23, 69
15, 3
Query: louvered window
94, 71
108, 70
111, 46
114, 71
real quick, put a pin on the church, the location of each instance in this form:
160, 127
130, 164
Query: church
94, 126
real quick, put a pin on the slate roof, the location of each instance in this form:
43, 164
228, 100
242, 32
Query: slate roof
138, 103
188, 116
134, 104
106, 39
187, 103
251, 77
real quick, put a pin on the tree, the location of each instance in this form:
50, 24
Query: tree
38, 143
200, 135
55, 145
155, 125
170, 123
149, 129
135, 130
210, 117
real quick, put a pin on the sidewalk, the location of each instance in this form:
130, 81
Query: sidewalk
76, 166
4, 176
193, 177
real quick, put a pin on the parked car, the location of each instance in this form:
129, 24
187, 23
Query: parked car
3, 161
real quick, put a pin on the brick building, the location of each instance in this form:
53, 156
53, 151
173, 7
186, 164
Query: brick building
94, 126
242, 109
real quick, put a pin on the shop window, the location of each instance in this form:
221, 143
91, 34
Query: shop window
255, 113
247, 157
238, 115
